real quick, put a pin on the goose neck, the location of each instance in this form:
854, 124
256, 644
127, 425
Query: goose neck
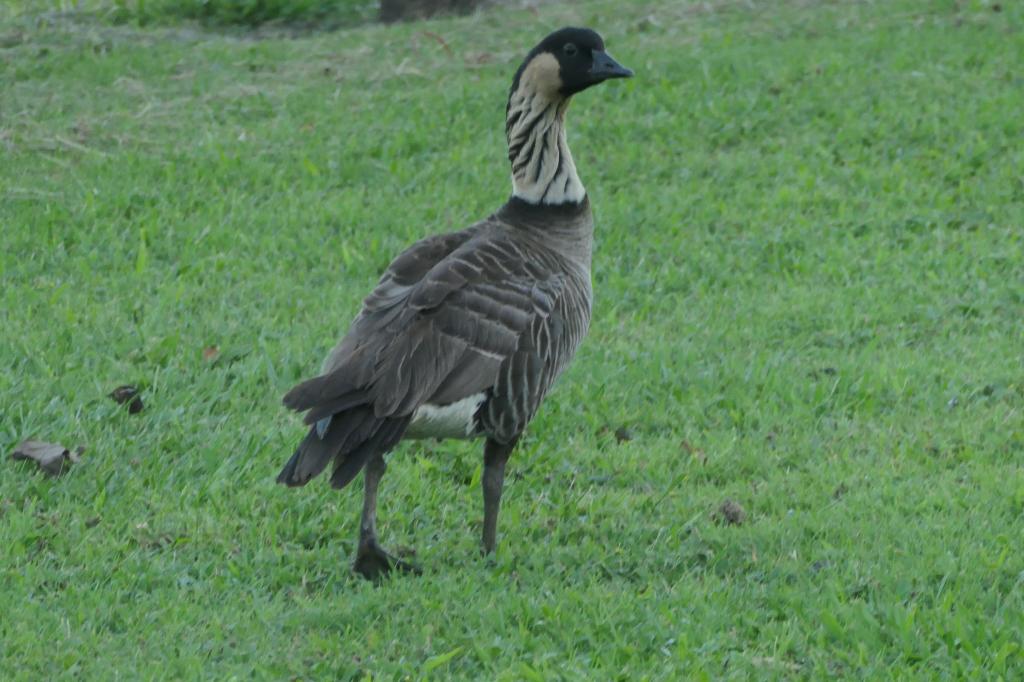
543, 171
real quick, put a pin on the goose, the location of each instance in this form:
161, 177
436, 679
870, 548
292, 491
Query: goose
466, 332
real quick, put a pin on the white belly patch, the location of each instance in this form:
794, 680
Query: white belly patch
445, 421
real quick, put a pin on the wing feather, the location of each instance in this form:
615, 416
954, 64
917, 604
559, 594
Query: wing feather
452, 317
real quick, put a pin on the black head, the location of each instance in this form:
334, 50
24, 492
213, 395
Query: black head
568, 61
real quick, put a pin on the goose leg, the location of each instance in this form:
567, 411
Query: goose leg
372, 562
495, 456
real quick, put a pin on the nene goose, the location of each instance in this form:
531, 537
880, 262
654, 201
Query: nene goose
466, 332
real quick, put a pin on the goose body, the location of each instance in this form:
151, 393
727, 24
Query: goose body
523, 318
466, 332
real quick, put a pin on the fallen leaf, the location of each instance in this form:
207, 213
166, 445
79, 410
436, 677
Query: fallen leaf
731, 513
694, 452
210, 353
128, 394
52, 458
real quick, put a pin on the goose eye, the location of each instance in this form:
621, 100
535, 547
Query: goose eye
569, 49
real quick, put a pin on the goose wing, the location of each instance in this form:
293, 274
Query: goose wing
437, 333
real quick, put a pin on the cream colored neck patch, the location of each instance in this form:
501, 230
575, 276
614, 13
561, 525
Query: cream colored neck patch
542, 167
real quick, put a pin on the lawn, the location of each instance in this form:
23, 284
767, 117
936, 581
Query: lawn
809, 279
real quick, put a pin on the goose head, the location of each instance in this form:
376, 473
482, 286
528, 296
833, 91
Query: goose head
567, 62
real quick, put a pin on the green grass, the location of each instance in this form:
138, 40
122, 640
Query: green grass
810, 286
251, 12
223, 14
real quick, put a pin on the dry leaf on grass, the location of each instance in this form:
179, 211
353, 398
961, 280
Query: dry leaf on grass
52, 458
128, 394
695, 452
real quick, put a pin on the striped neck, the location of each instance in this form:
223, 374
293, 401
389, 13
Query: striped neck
543, 171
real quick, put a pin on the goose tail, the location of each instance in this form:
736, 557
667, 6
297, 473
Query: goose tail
349, 438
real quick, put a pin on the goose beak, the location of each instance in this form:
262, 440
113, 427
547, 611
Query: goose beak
604, 67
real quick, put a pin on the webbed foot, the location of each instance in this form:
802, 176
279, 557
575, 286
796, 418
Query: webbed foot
373, 563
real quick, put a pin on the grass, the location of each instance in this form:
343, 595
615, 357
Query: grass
223, 14
809, 301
